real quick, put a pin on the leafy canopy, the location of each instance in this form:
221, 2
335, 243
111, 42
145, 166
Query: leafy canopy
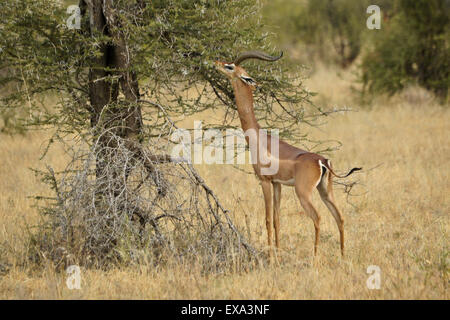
171, 44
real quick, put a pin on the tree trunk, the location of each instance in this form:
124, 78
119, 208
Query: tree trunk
108, 115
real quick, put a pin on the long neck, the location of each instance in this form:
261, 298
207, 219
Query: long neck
244, 102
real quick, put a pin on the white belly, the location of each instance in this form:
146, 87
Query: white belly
289, 182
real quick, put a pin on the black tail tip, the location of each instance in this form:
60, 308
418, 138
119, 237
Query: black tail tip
353, 170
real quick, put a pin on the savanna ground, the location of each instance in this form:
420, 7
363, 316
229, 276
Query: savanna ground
398, 221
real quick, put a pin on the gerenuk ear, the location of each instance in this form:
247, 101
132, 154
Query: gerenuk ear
248, 81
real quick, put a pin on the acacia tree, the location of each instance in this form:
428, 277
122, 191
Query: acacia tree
121, 82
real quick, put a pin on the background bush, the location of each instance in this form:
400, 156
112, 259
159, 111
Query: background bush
412, 47
332, 30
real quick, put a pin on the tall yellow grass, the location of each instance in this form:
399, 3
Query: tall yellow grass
399, 221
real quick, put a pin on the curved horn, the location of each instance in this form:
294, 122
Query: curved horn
255, 55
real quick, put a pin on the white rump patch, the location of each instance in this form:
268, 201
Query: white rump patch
321, 172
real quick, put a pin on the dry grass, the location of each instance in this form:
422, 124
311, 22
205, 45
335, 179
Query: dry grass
399, 223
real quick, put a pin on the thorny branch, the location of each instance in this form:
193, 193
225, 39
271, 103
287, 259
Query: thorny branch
141, 193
